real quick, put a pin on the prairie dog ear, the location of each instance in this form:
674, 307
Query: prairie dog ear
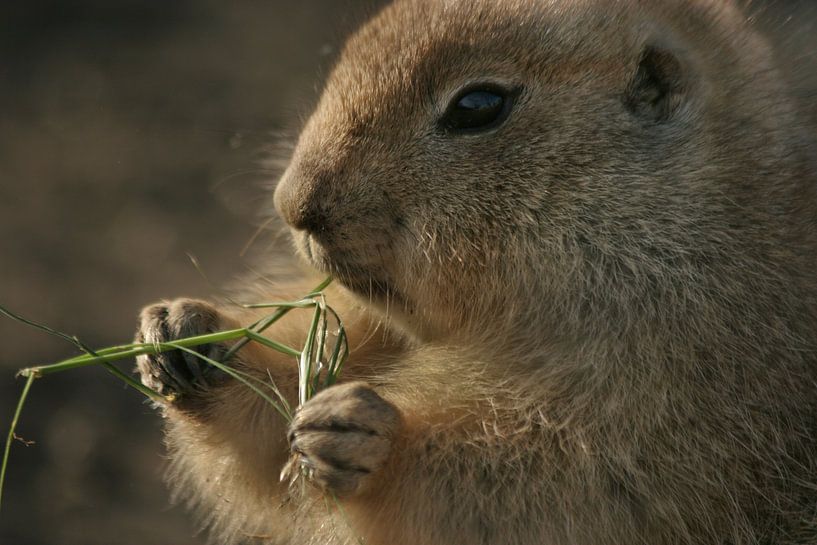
659, 86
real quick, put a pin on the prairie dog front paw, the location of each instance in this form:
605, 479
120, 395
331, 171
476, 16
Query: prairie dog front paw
178, 373
343, 436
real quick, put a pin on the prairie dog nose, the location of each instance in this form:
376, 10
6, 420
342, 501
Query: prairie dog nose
300, 202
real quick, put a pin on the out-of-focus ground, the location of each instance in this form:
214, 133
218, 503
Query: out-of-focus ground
132, 133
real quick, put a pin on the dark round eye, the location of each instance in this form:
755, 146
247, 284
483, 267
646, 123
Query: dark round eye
477, 109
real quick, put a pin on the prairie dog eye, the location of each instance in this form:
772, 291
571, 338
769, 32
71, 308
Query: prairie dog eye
477, 108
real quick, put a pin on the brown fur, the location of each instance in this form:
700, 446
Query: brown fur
596, 324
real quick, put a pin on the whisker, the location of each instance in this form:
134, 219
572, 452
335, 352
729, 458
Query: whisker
261, 229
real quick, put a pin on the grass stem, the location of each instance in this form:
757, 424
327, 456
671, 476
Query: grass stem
11, 435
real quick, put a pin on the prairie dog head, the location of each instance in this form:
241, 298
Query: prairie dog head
549, 165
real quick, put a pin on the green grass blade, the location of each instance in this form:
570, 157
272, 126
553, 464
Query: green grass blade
135, 384
16, 317
304, 303
10, 437
73, 339
323, 330
288, 350
274, 387
319, 289
241, 377
257, 327
339, 354
305, 363
264, 323
133, 350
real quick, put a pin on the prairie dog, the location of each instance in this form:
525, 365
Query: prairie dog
575, 243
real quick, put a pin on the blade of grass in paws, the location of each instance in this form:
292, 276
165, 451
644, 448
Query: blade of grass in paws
105, 356
247, 380
323, 329
305, 363
79, 344
339, 353
263, 324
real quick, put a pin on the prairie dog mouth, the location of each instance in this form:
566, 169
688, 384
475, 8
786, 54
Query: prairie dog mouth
309, 251
315, 253
358, 275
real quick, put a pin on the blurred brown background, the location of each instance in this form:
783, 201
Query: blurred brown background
132, 133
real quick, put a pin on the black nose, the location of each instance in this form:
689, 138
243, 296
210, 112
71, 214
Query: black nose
310, 217
302, 203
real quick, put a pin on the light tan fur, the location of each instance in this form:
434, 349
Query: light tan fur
594, 324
